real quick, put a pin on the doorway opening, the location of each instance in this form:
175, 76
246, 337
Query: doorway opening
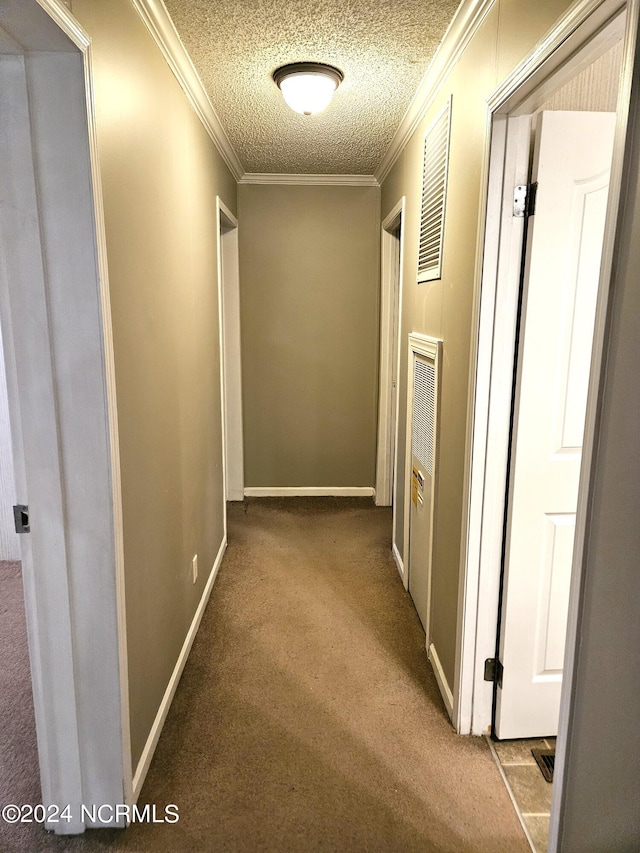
579, 73
513, 111
19, 776
230, 352
563, 241
563, 238
390, 335
54, 305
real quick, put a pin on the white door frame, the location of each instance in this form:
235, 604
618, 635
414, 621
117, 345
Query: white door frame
230, 352
55, 294
579, 32
430, 348
392, 261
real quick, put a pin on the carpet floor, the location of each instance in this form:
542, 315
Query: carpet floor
19, 777
308, 717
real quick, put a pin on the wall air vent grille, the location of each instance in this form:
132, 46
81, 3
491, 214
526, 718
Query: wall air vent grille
434, 192
424, 399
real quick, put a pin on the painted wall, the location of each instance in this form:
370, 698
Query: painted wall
444, 308
309, 285
160, 173
594, 89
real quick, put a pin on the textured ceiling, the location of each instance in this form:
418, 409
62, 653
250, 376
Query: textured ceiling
383, 48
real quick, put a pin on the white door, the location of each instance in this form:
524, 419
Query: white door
572, 158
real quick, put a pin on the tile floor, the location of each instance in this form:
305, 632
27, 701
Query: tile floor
529, 788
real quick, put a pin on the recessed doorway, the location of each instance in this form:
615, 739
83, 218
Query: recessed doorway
575, 84
390, 335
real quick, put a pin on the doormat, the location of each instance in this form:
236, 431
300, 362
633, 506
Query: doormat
545, 759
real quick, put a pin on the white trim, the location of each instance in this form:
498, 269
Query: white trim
495, 317
309, 491
159, 23
59, 13
221, 354
524, 77
227, 217
163, 710
468, 593
112, 408
391, 270
396, 461
230, 349
398, 559
443, 684
309, 180
469, 16
430, 348
114, 444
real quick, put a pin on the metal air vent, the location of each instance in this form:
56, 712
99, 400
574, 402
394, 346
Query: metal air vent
424, 398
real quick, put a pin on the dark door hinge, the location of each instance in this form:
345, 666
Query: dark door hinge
21, 518
493, 670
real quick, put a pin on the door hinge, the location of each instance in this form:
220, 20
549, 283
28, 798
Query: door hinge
493, 670
21, 518
524, 200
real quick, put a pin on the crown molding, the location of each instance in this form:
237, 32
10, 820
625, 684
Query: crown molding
309, 180
158, 22
461, 30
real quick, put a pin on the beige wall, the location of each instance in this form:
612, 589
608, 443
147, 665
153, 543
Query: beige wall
309, 283
444, 308
594, 89
161, 174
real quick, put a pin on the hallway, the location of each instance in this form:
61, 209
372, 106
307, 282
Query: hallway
308, 717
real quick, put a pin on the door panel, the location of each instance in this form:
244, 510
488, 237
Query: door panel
422, 441
572, 157
554, 588
424, 361
420, 540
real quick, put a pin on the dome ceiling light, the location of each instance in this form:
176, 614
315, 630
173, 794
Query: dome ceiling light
308, 87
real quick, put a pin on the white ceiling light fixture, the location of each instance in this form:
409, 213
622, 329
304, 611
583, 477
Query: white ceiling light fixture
308, 87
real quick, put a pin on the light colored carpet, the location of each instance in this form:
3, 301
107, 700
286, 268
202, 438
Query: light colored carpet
308, 718
19, 776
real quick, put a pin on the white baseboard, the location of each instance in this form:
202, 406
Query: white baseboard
309, 491
445, 690
163, 710
398, 559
